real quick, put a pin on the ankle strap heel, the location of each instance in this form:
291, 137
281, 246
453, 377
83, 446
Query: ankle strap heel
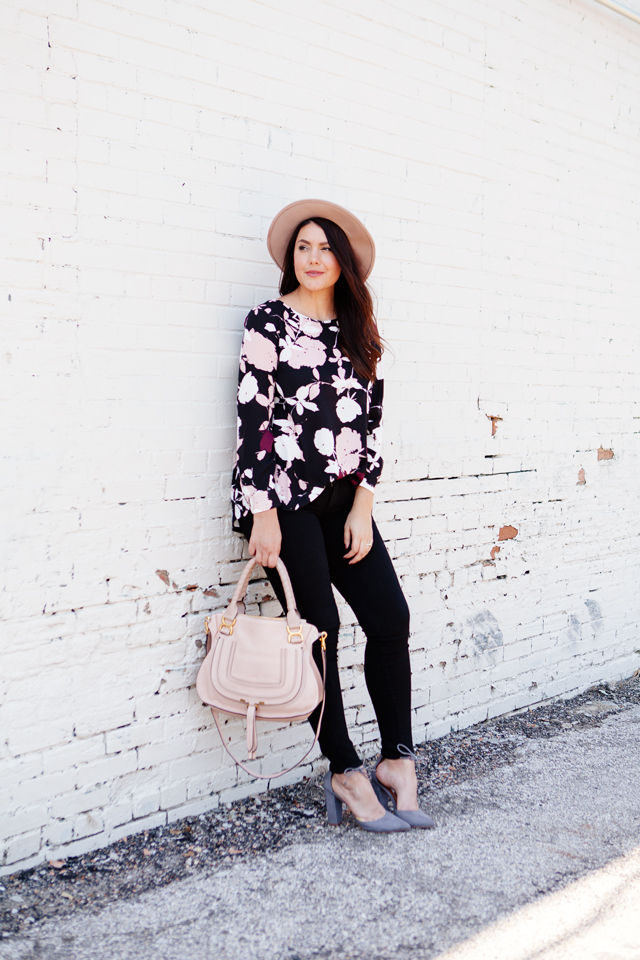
381, 792
333, 801
386, 824
414, 818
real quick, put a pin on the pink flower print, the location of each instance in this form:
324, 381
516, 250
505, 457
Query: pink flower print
266, 400
347, 409
283, 486
260, 501
307, 353
248, 388
302, 401
287, 448
258, 351
248, 489
286, 444
342, 382
348, 451
312, 328
323, 441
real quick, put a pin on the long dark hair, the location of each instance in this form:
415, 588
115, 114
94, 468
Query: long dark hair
359, 338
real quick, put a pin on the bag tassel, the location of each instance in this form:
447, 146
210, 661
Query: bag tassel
252, 732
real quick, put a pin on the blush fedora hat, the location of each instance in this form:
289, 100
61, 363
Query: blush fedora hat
285, 222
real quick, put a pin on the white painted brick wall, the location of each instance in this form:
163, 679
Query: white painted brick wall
493, 151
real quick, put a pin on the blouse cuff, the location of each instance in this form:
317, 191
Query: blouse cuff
367, 486
260, 502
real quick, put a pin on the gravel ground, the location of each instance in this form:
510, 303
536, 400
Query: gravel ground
250, 827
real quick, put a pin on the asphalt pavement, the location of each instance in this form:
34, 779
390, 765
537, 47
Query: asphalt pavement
531, 858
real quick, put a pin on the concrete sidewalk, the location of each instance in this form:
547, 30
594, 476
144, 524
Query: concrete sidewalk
566, 808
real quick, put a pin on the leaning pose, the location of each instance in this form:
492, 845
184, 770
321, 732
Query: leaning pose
308, 459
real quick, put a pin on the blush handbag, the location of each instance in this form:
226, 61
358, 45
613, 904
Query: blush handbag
261, 668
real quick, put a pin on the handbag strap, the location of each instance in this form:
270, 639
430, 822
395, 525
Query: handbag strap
261, 776
293, 617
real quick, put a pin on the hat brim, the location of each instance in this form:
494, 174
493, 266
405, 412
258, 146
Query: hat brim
285, 222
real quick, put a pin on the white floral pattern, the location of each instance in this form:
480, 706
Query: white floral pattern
305, 417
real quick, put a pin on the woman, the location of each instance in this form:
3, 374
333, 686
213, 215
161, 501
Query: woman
308, 459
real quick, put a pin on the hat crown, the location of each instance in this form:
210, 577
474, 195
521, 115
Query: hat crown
286, 221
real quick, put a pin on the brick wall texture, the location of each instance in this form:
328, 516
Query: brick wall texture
492, 149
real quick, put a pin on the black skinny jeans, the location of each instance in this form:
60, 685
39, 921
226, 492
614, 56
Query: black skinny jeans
313, 553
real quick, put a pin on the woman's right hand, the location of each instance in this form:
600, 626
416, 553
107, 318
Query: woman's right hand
266, 538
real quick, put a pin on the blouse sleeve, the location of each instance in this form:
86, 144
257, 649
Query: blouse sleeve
374, 433
255, 458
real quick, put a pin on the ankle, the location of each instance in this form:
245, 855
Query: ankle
351, 780
397, 773
356, 791
398, 766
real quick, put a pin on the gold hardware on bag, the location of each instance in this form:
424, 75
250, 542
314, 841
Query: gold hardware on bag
322, 639
294, 633
229, 624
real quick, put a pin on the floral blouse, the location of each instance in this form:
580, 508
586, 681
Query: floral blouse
305, 417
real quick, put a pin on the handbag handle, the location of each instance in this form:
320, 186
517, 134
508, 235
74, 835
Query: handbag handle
261, 776
293, 617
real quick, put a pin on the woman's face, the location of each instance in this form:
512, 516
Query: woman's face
315, 266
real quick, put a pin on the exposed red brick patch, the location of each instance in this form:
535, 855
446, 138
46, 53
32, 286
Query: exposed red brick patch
495, 551
507, 533
605, 454
581, 480
164, 576
210, 592
494, 423
192, 587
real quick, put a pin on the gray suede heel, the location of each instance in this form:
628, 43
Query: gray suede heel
415, 818
386, 824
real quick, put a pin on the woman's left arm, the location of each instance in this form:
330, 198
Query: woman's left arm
374, 432
358, 529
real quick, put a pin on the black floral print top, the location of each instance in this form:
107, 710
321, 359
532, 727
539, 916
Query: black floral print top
305, 417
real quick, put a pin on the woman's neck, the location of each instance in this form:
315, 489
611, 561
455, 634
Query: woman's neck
317, 304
